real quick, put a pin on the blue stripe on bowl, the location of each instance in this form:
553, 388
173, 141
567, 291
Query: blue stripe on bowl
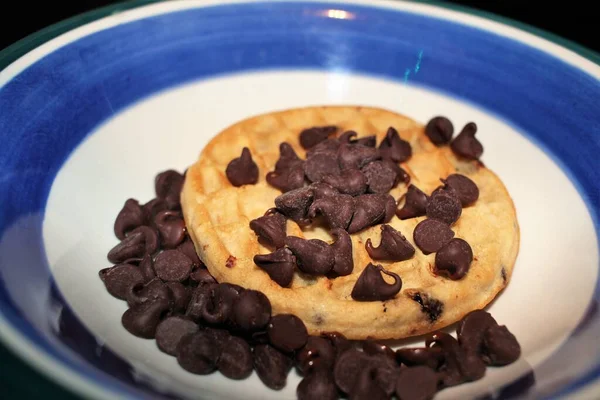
48, 109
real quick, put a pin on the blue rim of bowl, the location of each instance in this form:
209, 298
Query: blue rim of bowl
29, 43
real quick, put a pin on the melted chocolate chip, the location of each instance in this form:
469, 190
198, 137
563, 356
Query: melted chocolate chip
171, 226
312, 136
416, 383
170, 332
141, 320
394, 148
236, 360
197, 353
155, 289
287, 332
317, 354
279, 265
168, 185
431, 307
288, 179
271, 365
370, 285
393, 246
147, 268
342, 252
366, 386
270, 228
466, 144
317, 386
431, 357
350, 181
313, 256
355, 156
218, 308
130, 217
294, 204
370, 209
172, 265
466, 190
336, 210
454, 259
200, 297
415, 204
243, 170
439, 130
501, 346
320, 164
187, 248
120, 279
381, 176
445, 207
347, 368
252, 311
430, 235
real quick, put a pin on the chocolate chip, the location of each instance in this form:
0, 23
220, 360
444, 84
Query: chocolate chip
151, 239
180, 295
433, 308
370, 285
218, 308
251, 311
230, 263
322, 190
328, 146
385, 372
373, 348
430, 235
445, 207
317, 386
120, 279
457, 367
431, 357
471, 329
370, 209
153, 207
350, 181
172, 265
312, 136
390, 207
280, 265
366, 386
313, 256
202, 276
220, 338
187, 248
454, 259
416, 383
168, 184
155, 289
317, 354
287, 332
342, 252
415, 203
236, 360
270, 228
272, 366
288, 179
295, 203
439, 130
197, 353
320, 164
130, 217
381, 176
501, 346
133, 246
200, 296
355, 156
394, 148
243, 170
339, 342
347, 368
369, 141
466, 144
171, 227
336, 210
141, 320
392, 247
147, 268
401, 175
170, 332
287, 158
466, 190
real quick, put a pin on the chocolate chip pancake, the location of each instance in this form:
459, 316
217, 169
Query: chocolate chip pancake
310, 223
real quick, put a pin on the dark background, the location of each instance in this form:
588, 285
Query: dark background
572, 20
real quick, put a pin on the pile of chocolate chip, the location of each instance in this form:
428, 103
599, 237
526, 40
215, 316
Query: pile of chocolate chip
210, 326
344, 184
